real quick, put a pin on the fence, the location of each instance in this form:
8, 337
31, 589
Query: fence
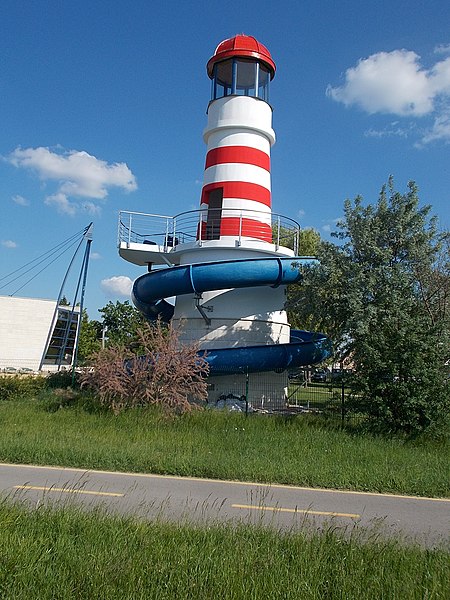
303, 391
321, 392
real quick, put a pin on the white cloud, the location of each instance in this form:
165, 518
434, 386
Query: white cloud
78, 175
439, 79
119, 285
91, 208
396, 83
330, 225
62, 204
95, 256
394, 129
20, 200
9, 244
439, 131
389, 82
442, 49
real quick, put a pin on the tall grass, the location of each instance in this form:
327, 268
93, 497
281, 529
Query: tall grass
68, 553
300, 451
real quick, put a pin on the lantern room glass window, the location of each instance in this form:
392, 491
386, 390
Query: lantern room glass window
222, 79
263, 83
242, 77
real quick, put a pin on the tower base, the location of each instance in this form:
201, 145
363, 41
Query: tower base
264, 391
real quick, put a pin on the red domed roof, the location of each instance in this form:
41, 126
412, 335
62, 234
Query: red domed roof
241, 45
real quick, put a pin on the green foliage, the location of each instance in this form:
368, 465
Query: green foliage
309, 242
305, 450
17, 387
383, 295
309, 245
120, 324
90, 338
92, 555
60, 379
56, 399
123, 322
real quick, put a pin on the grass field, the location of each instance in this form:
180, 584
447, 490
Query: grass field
315, 395
68, 554
303, 450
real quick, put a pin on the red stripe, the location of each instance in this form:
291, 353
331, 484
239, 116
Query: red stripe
238, 154
249, 228
239, 189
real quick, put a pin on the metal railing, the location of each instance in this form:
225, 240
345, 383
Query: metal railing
199, 226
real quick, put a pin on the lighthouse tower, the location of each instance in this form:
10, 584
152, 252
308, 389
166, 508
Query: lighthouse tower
221, 271
238, 135
235, 209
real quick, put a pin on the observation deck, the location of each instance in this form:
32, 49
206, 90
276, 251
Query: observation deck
147, 239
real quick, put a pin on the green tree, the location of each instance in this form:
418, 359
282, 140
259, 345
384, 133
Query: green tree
90, 338
382, 295
309, 242
122, 321
317, 303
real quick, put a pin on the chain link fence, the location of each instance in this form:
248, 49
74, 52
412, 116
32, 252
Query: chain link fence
304, 390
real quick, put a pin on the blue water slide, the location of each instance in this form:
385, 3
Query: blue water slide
305, 348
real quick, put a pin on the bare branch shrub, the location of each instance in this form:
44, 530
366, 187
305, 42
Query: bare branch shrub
162, 371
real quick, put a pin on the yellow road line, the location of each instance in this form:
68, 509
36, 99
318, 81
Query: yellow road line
280, 486
304, 511
66, 490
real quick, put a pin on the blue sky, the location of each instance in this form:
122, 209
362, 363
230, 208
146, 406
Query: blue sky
103, 104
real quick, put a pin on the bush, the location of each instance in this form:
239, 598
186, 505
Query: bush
162, 371
60, 398
61, 379
17, 387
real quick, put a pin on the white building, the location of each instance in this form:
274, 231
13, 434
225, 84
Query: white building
36, 334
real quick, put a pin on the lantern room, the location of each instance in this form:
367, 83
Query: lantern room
241, 66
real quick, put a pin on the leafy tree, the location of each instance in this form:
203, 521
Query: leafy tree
90, 338
318, 302
382, 294
309, 242
122, 321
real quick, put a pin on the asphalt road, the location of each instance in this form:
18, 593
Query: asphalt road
424, 520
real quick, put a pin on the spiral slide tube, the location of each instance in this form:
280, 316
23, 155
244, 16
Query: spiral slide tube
305, 348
